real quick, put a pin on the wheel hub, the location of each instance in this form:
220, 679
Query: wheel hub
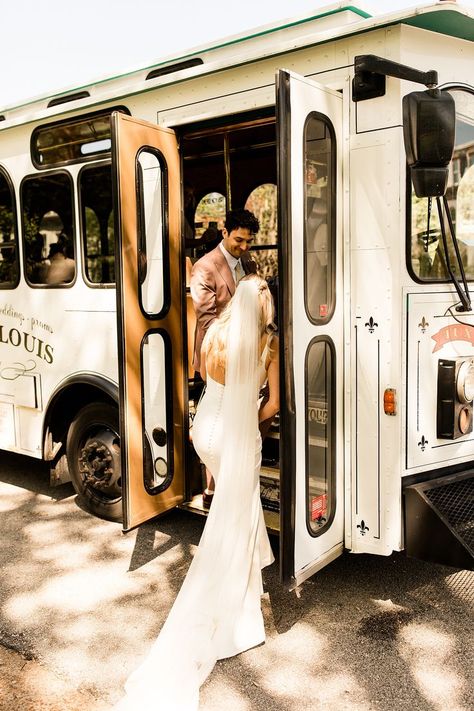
99, 463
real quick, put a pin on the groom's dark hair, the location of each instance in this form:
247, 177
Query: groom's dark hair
241, 218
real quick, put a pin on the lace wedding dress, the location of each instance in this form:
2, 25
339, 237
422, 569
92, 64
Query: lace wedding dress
217, 612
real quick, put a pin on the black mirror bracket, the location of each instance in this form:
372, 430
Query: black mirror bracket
370, 72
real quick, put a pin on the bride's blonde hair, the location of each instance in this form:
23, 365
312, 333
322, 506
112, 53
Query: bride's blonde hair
215, 341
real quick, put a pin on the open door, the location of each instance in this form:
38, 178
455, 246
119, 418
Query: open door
309, 118
150, 318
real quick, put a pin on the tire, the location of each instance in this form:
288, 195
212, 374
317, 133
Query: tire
93, 455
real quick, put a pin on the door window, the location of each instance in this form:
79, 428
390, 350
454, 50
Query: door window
320, 443
152, 230
319, 218
157, 415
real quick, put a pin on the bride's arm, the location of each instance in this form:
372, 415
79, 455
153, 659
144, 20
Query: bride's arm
272, 405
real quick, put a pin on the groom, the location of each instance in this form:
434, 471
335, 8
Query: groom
213, 281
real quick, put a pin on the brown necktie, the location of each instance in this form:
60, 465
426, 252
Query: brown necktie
239, 272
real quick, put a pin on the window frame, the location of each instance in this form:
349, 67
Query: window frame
141, 231
82, 233
332, 236
12, 285
73, 223
450, 86
168, 380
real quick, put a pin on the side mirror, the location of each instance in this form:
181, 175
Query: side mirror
429, 121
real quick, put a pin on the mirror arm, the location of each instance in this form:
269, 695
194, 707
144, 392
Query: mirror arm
370, 72
463, 295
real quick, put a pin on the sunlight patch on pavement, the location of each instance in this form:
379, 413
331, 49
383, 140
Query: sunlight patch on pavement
427, 653
75, 591
284, 662
225, 695
12, 497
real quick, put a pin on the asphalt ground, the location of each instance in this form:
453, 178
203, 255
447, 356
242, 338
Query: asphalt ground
80, 604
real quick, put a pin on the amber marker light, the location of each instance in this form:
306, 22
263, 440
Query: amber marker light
390, 401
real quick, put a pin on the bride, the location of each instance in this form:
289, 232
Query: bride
217, 612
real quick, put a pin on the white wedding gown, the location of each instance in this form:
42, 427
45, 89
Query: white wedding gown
217, 612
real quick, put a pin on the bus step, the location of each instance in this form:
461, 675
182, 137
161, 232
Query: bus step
439, 520
270, 490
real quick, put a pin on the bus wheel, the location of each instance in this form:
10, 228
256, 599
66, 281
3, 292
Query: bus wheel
93, 454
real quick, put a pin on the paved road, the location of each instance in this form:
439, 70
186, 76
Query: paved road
80, 603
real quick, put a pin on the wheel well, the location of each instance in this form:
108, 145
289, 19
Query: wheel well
64, 406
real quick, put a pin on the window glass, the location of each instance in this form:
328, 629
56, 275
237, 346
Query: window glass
204, 189
152, 231
47, 217
9, 270
320, 464
95, 196
74, 140
427, 255
156, 413
209, 214
203, 221
263, 203
319, 218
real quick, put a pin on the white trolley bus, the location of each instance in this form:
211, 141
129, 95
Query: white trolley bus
107, 196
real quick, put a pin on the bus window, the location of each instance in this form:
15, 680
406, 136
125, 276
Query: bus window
153, 237
263, 203
319, 224
209, 214
320, 441
74, 140
9, 270
427, 259
95, 200
48, 229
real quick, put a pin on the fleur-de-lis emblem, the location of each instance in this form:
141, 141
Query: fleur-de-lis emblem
423, 324
371, 325
422, 443
363, 528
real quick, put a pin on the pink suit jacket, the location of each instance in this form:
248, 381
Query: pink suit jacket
212, 287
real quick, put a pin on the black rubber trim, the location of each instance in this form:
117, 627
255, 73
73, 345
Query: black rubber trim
142, 237
285, 300
116, 200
